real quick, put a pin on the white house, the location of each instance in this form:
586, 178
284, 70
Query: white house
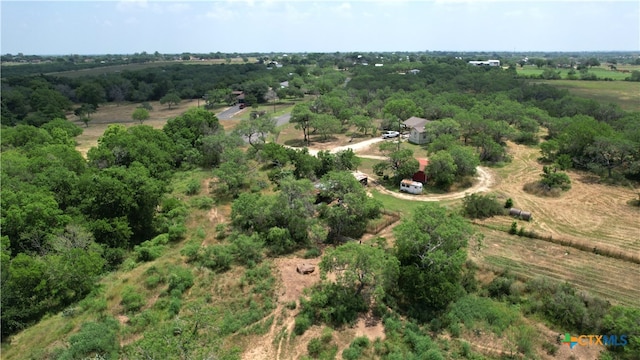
485, 63
417, 133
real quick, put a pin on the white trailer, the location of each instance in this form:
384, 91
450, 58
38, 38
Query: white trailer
410, 186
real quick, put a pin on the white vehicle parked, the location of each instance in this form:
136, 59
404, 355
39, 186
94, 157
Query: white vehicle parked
410, 186
390, 134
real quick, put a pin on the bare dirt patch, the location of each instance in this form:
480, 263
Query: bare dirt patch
292, 285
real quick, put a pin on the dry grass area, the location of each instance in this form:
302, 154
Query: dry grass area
121, 114
612, 279
589, 212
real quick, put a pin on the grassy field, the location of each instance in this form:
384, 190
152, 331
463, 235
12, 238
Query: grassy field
624, 93
600, 72
589, 212
611, 279
121, 114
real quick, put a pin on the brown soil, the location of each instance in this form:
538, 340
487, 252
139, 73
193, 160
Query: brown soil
292, 285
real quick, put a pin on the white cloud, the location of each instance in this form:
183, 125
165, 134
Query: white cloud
220, 11
130, 5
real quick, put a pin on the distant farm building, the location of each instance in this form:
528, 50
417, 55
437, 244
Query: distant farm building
417, 133
485, 63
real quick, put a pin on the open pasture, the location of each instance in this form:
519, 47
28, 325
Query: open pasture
601, 72
589, 212
611, 279
626, 94
121, 114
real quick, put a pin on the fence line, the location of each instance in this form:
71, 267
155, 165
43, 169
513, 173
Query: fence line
599, 249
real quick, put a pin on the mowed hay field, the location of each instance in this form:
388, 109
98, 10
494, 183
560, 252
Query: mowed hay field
594, 215
614, 280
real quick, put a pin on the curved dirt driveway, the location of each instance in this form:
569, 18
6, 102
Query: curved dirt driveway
484, 178
485, 181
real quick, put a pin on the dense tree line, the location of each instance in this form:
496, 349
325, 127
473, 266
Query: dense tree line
66, 219
37, 99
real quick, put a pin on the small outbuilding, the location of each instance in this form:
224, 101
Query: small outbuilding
361, 177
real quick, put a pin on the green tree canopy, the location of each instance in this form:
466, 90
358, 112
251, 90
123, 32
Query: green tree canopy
365, 270
431, 249
140, 114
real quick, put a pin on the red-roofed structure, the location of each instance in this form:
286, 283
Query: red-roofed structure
420, 176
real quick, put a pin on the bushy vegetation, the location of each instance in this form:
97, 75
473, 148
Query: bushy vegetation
477, 206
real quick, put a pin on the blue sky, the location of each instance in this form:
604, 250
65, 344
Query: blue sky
126, 27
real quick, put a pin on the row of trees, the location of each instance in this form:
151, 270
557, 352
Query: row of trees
35, 100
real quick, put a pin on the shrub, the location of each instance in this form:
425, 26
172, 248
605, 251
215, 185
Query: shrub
174, 305
551, 179
131, 300
350, 354
177, 232
302, 323
514, 228
146, 252
550, 348
524, 336
465, 349
193, 187
202, 202
95, 340
152, 281
314, 347
311, 253
508, 204
221, 231
500, 287
478, 206
191, 251
247, 249
526, 138
291, 305
217, 257
151, 249
433, 354
180, 279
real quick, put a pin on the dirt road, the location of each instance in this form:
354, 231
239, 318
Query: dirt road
484, 180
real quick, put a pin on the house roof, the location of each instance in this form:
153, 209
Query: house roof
423, 163
415, 122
